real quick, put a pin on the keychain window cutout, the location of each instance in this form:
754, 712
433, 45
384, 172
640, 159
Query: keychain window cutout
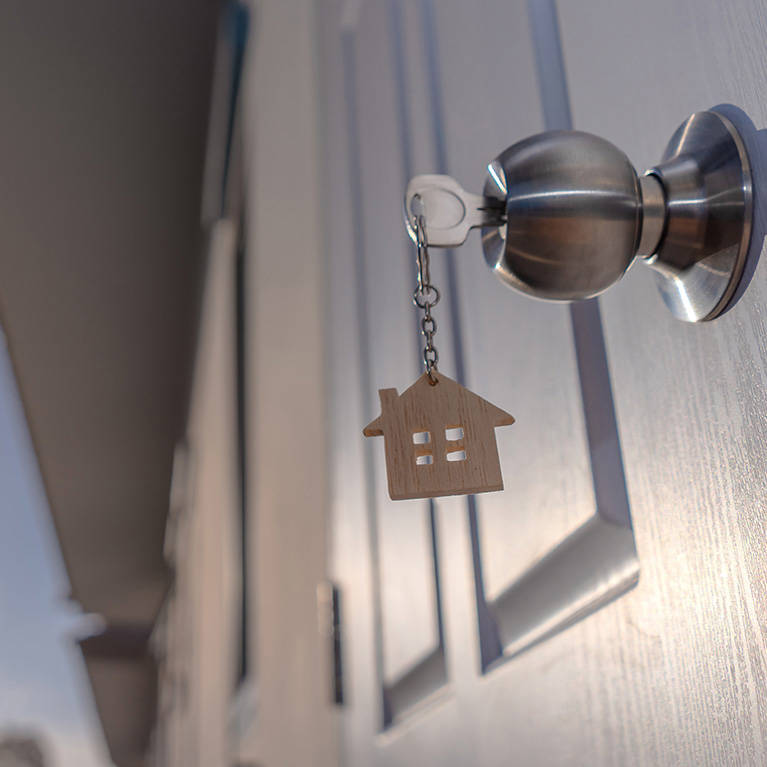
421, 437
435, 472
423, 455
454, 433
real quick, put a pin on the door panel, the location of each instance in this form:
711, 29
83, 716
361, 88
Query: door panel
414, 79
690, 399
671, 672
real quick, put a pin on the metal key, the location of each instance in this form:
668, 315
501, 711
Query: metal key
449, 210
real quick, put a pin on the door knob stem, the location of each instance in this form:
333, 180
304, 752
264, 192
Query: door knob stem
653, 214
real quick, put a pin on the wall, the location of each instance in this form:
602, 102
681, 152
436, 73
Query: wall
287, 478
195, 638
281, 714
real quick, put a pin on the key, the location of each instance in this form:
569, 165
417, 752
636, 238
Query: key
450, 211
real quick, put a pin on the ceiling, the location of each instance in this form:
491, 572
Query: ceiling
104, 119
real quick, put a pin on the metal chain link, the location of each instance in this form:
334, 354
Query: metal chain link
425, 297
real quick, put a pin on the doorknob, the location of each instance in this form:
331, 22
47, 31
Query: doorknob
564, 214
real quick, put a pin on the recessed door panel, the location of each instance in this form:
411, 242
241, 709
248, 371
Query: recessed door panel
374, 345
516, 351
409, 615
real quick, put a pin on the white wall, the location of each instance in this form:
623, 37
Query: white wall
282, 714
196, 638
295, 723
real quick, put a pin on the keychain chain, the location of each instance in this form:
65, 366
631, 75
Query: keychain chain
425, 297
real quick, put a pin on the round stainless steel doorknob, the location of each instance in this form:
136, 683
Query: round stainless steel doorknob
564, 214
573, 220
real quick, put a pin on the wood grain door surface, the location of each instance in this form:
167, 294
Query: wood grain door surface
608, 607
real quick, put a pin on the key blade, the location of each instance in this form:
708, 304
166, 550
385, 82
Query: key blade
450, 211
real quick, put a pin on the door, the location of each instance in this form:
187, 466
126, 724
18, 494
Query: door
606, 608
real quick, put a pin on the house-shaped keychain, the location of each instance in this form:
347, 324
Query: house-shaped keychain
439, 440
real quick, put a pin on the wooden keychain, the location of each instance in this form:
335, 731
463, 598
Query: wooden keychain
439, 437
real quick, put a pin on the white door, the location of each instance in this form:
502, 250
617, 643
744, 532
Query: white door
607, 607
